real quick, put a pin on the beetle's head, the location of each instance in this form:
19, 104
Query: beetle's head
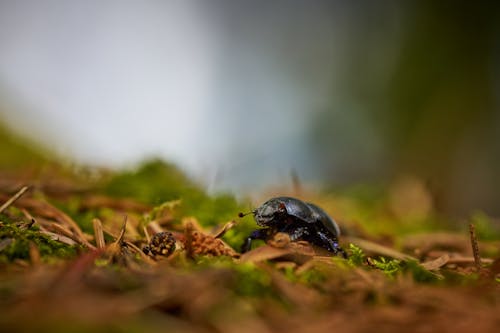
269, 213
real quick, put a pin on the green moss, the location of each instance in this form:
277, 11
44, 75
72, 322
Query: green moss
153, 182
156, 182
357, 257
20, 239
248, 279
388, 266
391, 267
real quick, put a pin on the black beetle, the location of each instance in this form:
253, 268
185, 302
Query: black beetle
300, 220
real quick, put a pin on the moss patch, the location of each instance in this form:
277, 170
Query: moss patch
16, 240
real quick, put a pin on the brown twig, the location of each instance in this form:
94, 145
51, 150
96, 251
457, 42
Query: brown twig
60, 229
99, 234
146, 233
45, 209
58, 237
122, 231
68, 221
436, 263
188, 232
113, 250
475, 247
379, 249
219, 233
139, 251
468, 260
14, 198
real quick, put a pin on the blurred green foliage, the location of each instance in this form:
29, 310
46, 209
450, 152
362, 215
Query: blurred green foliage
18, 153
155, 182
248, 280
161, 183
486, 228
419, 96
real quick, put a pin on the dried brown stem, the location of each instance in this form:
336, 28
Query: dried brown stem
224, 229
44, 209
468, 260
436, 263
14, 198
475, 247
99, 234
60, 229
142, 254
189, 239
122, 231
58, 237
379, 249
146, 234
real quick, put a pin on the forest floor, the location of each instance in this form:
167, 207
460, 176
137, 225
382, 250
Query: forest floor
72, 259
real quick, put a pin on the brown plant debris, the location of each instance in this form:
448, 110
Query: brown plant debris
46, 210
14, 198
475, 247
281, 286
198, 243
222, 231
99, 233
436, 263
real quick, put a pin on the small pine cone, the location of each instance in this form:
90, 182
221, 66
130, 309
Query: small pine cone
162, 244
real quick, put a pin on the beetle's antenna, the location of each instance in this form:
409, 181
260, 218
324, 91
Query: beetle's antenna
240, 214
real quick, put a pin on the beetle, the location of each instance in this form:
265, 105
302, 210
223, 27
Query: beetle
300, 220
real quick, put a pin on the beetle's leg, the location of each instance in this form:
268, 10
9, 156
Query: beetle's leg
332, 244
341, 251
298, 233
256, 234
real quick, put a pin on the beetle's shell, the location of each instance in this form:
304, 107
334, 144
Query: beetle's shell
321, 216
304, 211
297, 208
266, 213
299, 220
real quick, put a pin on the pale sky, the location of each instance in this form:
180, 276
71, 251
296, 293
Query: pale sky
226, 91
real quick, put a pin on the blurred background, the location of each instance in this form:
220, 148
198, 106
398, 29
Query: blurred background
246, 95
